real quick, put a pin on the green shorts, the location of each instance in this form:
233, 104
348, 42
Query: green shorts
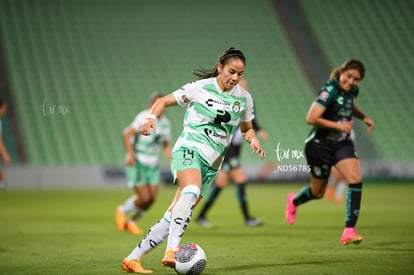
185, 158
140, 174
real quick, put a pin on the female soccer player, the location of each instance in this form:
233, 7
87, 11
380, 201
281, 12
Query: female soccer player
142, 167
329, 144
216, 105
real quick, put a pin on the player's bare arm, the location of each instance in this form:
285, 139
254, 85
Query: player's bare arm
156, 111
368, 121
249, 135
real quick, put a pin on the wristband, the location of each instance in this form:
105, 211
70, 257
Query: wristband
154, 117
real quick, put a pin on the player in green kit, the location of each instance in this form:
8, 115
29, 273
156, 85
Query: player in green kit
216, 106
142, 167
329, 144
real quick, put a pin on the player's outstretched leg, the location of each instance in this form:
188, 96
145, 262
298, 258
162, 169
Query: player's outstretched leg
294, 200
155, 236
353, 203
180, 219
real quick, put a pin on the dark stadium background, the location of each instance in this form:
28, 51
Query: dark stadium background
75, 73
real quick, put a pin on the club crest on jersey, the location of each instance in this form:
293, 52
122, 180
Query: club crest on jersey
236, 107
317, 171
187, 161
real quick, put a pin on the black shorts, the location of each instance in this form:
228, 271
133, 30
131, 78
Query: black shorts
232, 158
322, 155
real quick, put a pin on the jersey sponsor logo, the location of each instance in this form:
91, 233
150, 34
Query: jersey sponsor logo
340, 100
349, 103
323, 96
210, 102
220, 105
222, 117
213, 134
345, 112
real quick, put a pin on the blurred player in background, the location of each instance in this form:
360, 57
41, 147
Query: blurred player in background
3, 150
336, 186
231, 170
216, 106
142, 167
329, 144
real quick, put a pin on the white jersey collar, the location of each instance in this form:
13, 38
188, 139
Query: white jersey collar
219, 89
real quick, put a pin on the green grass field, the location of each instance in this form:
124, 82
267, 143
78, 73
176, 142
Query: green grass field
73, 232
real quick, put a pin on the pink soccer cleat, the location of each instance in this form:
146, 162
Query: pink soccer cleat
350, 236
290, 212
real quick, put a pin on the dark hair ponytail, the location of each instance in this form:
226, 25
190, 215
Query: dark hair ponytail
351, 64
222, 59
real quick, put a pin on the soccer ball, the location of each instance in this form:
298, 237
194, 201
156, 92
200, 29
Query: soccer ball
190, 259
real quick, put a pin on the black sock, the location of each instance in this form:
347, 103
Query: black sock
353, 204
303, 196
214, 192
241, 196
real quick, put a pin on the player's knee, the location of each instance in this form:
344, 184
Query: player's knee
191, 193
220, 184
317, 192
149, 202
353, 178
318, 195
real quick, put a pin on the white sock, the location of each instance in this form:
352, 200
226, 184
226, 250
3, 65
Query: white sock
181, 215
154, 237
340, 190
129, 204
331, 181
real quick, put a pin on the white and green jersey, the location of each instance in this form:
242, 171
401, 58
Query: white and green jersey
147, 148
212, 117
